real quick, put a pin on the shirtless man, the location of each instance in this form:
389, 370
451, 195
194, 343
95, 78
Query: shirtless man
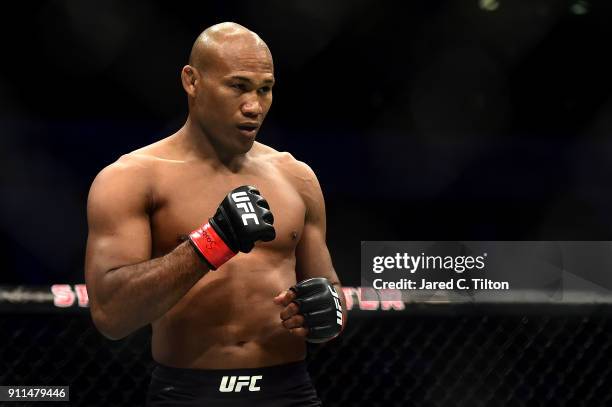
181, 237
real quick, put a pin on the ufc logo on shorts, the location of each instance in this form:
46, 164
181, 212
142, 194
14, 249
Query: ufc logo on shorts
236, 383
243, 202
337, 302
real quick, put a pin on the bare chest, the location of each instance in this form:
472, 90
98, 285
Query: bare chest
187, 196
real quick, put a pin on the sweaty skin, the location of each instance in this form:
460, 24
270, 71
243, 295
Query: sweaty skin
139, 268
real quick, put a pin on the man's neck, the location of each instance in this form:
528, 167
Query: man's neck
198, 143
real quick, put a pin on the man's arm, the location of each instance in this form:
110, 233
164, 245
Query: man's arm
127, 289
312, 255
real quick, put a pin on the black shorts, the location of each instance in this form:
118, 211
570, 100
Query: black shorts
274, 386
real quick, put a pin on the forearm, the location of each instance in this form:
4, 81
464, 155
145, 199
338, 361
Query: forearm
132, 296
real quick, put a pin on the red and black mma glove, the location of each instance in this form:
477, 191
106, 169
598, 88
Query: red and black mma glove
242, 218
318, 302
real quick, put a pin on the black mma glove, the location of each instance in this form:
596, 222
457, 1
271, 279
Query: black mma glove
318, 302
242, 218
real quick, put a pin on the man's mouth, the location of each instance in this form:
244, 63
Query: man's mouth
248, 129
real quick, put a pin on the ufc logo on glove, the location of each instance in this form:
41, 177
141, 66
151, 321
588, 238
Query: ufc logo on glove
243, 202
333, 292
229, 230
236, 383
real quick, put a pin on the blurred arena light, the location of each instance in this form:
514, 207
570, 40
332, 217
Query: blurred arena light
581, 7
488, 5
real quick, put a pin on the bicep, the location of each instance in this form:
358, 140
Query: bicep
312, 255
119, 228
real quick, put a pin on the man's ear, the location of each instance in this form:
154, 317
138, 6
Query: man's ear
189, 77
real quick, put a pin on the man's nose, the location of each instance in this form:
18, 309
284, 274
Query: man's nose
251, 108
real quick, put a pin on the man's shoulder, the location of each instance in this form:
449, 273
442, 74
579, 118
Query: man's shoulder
139, 163
130, 165
134, 170
284, 161
296, 172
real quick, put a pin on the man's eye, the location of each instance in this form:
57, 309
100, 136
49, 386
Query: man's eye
239, 86
265, 89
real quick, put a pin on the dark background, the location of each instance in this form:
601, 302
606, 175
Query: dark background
424, 120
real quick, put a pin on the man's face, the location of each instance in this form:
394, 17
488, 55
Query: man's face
234, 95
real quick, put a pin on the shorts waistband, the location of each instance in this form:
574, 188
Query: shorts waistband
279, 374
286, 385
